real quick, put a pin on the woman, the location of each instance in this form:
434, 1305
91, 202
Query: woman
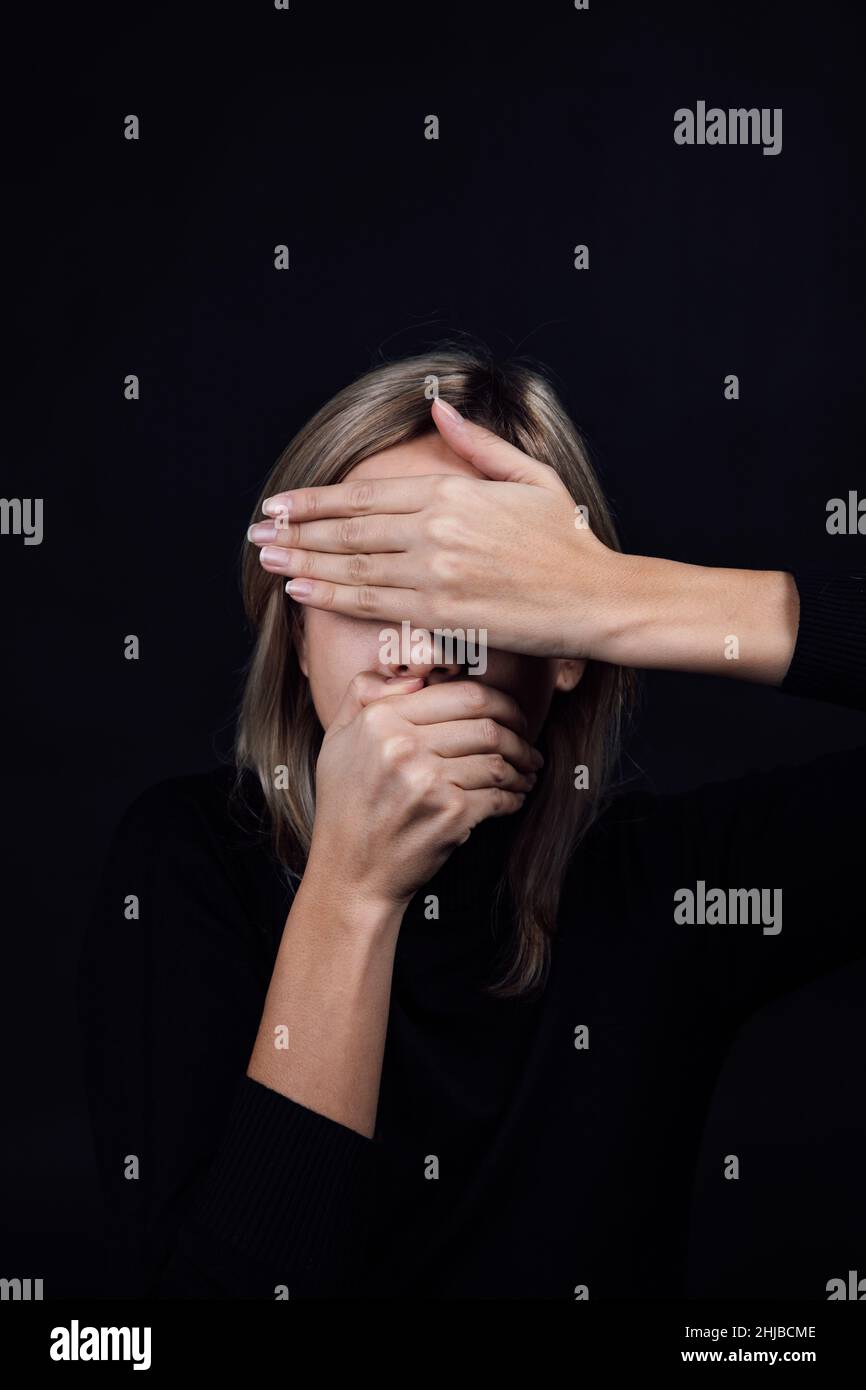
408, 1003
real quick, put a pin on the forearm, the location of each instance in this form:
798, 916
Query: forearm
725, 622
322, 1035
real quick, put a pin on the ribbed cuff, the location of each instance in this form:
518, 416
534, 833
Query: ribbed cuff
829, 661
289, 1188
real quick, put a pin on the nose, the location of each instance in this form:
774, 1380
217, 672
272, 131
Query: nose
420, 654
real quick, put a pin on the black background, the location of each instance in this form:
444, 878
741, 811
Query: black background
306, 127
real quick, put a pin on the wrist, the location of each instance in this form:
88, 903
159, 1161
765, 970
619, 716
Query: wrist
663, 614
618, 616
346, 898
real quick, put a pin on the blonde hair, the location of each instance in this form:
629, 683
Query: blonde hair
278, 725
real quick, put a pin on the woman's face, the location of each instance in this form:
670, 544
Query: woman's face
334, 648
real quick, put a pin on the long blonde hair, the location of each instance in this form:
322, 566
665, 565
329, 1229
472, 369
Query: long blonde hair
278, 726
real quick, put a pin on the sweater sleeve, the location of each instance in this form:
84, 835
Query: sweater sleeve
829, 659
795, 832
215, 1185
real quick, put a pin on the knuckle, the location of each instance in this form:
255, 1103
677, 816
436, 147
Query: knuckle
366, 599
360, 495
423, 780
474, 695
348, 530
398, 749
374, 717
444, 567
498, 768
488, 731
497, 801
359, 567
440, 528
451, 489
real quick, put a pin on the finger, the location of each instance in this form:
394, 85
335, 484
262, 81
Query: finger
483, 738
462, 699
366, 687
357, 497
491, 801
487, 770
340, 536
362, 602
383, 571
488, 453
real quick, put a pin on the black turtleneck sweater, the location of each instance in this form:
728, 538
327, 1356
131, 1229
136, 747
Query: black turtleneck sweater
507, 1161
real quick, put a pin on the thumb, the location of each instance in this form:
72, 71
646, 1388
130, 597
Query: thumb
485, 450
366, 687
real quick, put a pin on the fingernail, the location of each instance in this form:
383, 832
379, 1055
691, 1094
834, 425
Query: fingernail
272, 506
273, 555
453, 415
539, 760
262, 531
299, 588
